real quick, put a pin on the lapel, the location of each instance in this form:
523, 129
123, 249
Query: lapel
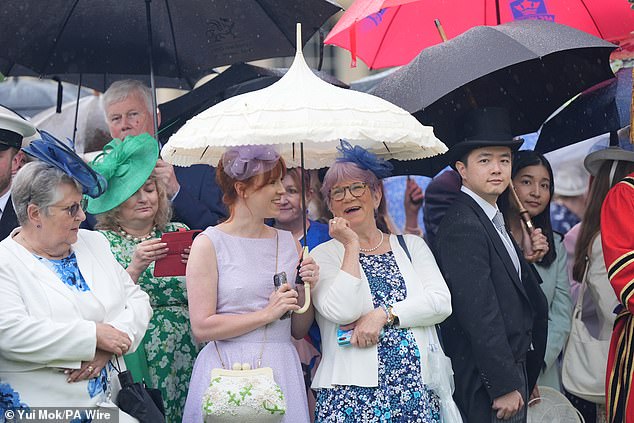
40, 274
91, 270
9, 220
494, 235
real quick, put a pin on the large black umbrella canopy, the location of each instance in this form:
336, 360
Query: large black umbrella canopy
190, 37
529, 67
237, 79
606, 107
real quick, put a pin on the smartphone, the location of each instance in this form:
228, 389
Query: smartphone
344, 336
177, 242
278, 280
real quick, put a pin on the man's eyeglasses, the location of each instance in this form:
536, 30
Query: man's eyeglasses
356, 190
73, 209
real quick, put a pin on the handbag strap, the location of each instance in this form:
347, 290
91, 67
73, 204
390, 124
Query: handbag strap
584, 285
401, 240
259, 362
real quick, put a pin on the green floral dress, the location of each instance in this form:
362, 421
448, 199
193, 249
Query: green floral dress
167, 354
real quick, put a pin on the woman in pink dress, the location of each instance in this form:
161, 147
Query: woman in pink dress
232, 300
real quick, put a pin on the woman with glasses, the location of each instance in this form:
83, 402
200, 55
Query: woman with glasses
68, 308
386, 297
133, 214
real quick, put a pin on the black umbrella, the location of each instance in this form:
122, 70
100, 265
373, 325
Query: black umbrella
238, 79
102, 38
529, 67
601, 109
146, 405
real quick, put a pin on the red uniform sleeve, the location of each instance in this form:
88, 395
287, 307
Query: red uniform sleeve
617, 236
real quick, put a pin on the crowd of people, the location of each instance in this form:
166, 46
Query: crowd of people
486, 287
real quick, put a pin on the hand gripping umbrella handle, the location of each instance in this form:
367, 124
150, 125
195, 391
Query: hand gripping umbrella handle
526, 218
299, 281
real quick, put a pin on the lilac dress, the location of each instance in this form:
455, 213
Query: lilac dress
245, 281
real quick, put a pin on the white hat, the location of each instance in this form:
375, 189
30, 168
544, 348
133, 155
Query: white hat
13, 128
571, 179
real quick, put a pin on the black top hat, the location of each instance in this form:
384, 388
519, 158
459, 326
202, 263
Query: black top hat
487, 127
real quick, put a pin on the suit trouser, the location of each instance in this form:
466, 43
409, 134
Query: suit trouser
520, 417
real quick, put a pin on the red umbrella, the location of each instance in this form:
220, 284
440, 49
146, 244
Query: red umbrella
387, 33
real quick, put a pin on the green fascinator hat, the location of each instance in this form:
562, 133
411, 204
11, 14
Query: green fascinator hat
126, 165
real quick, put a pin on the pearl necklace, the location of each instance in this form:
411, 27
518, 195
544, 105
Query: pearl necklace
369, 250
137, 239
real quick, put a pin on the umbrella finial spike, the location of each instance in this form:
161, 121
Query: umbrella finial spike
299, 37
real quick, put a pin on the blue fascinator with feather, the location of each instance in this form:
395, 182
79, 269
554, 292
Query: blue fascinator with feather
364, 159
54, 152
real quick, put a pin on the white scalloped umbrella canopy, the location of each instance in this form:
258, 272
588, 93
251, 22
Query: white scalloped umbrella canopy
301, 108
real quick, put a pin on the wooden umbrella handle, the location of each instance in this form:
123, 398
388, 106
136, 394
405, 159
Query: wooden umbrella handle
526, 218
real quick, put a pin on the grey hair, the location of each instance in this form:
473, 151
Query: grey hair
37, 183
347, 170
120, 90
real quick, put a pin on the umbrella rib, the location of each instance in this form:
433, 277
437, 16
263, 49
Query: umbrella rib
57, 38
291, 38
592, 18
398, 9
176, 59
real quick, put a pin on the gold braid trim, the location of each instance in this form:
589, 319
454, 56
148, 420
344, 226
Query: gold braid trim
620, 376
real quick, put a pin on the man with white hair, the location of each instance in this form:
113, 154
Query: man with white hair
13, 128
196, 198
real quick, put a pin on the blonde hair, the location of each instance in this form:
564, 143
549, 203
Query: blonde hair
111, 220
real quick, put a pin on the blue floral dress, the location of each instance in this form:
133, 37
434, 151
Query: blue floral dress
401, 396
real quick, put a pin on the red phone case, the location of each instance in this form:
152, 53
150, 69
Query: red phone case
176, 242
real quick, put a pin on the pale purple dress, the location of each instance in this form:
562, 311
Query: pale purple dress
245, 281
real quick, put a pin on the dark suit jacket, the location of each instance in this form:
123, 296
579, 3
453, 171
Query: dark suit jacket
199, 201
9, 221
496, 316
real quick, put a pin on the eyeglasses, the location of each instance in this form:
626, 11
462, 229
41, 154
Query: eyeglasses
73, 209
356, 190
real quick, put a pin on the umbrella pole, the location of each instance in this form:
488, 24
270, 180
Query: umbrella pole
441, 30
298, 279
148, 15
76, 111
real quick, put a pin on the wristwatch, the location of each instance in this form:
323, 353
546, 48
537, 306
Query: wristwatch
393, 316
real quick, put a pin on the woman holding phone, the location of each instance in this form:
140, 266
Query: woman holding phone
233, 300
133, 214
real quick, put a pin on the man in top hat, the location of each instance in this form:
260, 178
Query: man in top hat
617, 238
496, 335
13, 129
196, 198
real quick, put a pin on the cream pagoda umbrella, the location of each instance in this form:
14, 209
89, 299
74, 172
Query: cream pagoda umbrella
301, 108
304, 118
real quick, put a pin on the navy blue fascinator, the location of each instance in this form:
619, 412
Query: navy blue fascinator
54, 152
364, 159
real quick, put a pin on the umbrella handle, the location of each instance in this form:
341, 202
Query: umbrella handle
526, 218
298, 281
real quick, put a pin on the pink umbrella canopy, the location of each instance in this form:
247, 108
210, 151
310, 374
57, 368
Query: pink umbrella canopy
386, 33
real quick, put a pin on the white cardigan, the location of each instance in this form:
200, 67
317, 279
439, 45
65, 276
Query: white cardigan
339, 298
41, 328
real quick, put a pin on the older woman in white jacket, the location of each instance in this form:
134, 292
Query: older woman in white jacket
390, 303
68, 308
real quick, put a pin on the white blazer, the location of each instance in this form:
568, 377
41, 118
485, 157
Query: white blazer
41, 328
340, 298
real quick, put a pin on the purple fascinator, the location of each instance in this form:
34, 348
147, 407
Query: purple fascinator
364, 159
245, 161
